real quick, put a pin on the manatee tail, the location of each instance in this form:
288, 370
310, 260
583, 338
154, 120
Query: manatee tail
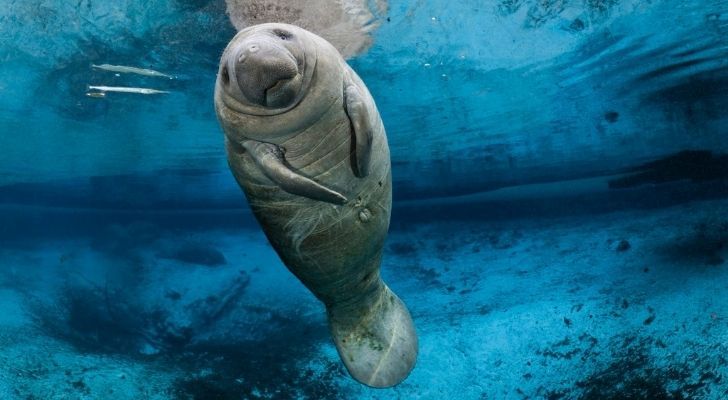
376, 339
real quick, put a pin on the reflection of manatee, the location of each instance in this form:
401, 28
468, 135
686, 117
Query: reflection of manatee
346, 24
306, 143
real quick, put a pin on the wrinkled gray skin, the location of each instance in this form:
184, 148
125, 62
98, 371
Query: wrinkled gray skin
305, 142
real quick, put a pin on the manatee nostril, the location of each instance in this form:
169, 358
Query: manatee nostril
253, 48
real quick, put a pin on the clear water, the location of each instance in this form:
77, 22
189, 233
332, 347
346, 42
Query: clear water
559, 227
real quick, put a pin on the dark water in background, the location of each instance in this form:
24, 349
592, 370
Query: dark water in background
533, 92
509, 112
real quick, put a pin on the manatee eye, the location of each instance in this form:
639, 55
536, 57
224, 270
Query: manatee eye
283, 35
225, 76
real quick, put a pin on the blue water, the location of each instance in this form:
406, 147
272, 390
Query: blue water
559, 228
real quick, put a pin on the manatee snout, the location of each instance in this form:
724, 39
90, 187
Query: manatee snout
265, 71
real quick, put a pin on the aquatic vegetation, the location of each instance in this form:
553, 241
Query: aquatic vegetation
103, 321
635, 374
703, 244
108, 318
265, 368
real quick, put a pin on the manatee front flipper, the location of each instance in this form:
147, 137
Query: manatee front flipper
271, 161
358, 114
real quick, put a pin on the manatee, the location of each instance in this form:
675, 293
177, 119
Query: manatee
305, 142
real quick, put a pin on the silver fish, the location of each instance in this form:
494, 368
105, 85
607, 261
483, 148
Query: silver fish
131, 70
124, 89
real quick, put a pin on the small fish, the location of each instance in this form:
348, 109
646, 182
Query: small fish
124, 89
97, 95
131, 70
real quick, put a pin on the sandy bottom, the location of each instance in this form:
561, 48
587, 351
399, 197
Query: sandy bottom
628, 305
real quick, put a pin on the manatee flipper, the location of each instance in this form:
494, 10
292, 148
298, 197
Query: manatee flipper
361, 126
377, 342
270, 159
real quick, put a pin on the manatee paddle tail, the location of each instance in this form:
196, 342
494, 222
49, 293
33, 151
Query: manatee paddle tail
379, 345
